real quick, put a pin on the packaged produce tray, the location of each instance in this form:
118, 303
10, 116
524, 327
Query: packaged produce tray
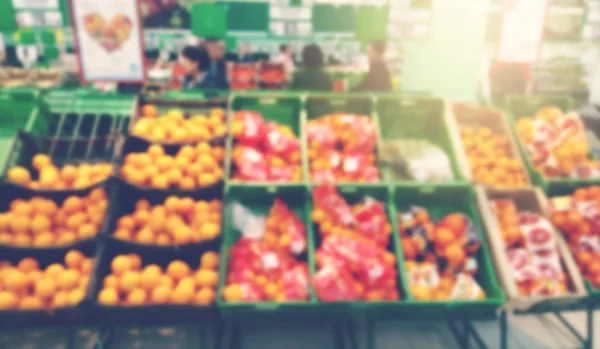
70, 315
440, 200
123, 199
376, 310
401, 118
464, 115
530, 200
279, 108
518, 107
259, 201
147, 314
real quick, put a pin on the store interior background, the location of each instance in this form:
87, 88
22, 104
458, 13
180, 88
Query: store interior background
453, 61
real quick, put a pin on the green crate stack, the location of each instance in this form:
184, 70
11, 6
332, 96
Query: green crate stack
526, 106
395, 117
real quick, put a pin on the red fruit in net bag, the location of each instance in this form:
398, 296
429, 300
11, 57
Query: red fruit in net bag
250, 163
251, 124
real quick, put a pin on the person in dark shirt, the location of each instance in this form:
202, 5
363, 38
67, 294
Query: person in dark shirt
312, 76
245, 54
196, 63
378, 78
216, 52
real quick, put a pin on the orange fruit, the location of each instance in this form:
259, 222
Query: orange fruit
155, 151
123, 234
210, 231
86, 231
182, 235
177, 270
87, 266
171, 204
108, 296
53, 270
167, 281
66, 238
68, 279
271, 291
45, 239
76, 296
160, 182
120, 264
20, 224
45, 288
207, 278
209, 260
76, 220
206, 296
19, 175
60, 299
129, 281
136, 297
68, 173
28, 264
233, 293
30, 303
136, 261
182, 294
8, 300
145, 237
48, 176
160, 295
74, 259
143, 205
16, 281
150, 277
40, 161
163, 240
141, 218
110, 281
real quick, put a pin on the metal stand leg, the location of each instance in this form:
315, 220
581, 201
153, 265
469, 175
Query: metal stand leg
458, 336
338, 335
590, 327
223, 328
370, 335
503, 330
571, 329
466, 337
71, 333
475, 335
236, 337
351, 334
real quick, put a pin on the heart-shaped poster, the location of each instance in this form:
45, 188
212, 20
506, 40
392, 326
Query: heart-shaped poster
110, 35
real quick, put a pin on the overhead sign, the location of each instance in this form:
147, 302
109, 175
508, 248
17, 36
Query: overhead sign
108, 40
522, 30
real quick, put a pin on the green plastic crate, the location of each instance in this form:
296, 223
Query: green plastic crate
318, 105
526, 106
568, 188
416, 118
86, 130
384, 310
259, 200
280, 108
441, 200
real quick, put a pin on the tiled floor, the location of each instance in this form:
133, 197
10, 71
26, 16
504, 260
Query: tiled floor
526, 332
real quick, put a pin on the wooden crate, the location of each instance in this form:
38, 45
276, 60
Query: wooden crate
464, 115
532, 200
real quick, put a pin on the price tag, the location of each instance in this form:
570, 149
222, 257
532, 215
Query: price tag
522, 31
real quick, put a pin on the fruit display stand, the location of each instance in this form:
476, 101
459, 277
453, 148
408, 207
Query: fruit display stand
518, 107
576, 299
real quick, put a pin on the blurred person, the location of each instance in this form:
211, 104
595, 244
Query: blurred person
286, 58
312, 76
378, 77
196, 64
245, 54
216, 51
